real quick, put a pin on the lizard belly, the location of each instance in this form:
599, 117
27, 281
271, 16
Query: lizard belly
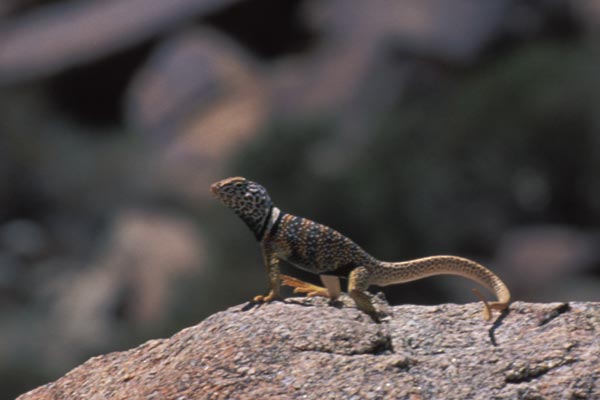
314, 267
307, 265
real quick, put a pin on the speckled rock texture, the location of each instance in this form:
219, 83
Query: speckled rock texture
308, 349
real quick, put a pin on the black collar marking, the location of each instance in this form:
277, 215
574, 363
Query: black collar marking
261, 234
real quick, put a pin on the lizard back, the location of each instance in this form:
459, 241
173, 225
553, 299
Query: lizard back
314, 247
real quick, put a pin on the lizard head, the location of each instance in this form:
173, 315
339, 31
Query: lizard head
249, 200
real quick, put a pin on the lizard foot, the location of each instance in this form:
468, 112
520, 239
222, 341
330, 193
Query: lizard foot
304, 287
488, 307
267, 298
363, 303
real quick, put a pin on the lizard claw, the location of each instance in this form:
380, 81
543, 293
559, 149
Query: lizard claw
266, 298
488, 307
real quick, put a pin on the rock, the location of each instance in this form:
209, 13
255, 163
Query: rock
305, 348
133, 285
589, 12
365, 41
199, 99
536, 257
9, 6
368, 58
147, 252
23, 237
424, 27
41, 42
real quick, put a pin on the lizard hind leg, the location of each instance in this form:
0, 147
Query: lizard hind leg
304, 287
357, 287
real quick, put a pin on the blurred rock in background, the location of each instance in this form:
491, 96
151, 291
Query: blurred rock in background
416, 128
198, 99
551, 254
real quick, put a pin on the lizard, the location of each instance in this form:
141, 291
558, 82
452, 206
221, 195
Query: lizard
322, 250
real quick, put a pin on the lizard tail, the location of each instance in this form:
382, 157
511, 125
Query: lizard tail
398, 272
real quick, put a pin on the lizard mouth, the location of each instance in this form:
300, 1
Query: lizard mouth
215, 187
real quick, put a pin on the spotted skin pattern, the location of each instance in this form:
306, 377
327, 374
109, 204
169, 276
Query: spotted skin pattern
321, 250
315, 248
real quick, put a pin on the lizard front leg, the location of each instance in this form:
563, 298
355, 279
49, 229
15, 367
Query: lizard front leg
273, 275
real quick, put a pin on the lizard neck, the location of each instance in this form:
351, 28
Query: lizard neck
271, 221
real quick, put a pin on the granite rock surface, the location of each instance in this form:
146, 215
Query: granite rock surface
309, 349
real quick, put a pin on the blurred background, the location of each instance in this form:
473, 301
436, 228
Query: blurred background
416, 127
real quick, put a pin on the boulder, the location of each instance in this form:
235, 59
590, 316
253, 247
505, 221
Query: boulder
309, 349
